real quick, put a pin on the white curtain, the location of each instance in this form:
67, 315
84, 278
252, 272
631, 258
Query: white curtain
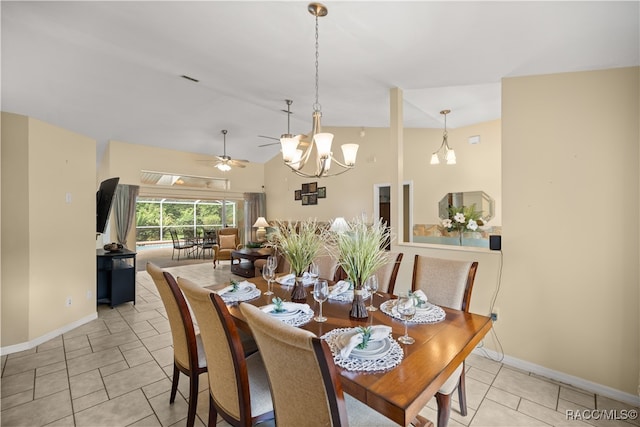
124, 207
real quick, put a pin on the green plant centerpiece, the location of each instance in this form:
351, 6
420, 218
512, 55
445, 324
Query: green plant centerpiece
462, 219
360, 254
299, 242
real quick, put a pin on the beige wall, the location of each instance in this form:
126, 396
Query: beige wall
569, 298
477, 167
47, 243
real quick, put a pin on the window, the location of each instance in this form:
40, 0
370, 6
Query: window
155, 216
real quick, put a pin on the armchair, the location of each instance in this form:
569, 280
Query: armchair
228, 241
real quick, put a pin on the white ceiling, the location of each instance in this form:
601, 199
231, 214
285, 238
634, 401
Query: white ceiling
111, 70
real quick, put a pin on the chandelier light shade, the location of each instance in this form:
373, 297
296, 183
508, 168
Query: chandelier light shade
318, 141
444, 151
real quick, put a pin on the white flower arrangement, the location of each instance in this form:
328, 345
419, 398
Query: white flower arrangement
463, 219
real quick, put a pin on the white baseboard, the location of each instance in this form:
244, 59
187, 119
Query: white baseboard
46, 337
558, 376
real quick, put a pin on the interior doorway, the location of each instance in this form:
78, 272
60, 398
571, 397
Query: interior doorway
382, 208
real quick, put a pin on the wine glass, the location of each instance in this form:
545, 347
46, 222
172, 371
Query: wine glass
314, 270
268, 274
372, 285
406, 309
320, 294
272, 261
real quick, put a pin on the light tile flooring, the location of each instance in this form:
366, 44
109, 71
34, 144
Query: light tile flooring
116, 370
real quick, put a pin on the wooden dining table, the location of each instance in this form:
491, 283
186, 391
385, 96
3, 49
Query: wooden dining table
402, 392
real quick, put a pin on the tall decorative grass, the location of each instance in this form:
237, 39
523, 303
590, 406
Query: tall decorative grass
299, 242
361, 249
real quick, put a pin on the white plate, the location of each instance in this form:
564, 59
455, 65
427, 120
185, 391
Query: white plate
290, 310
428, 306
375, 349
242, 289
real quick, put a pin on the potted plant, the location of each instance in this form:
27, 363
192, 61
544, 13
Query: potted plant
360, 254
299, 243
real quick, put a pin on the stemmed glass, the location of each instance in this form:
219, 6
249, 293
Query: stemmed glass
320, 294
272, 261
268, 274
406, 309
314, 270
372, 285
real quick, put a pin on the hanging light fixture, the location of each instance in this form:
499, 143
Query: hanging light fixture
296, 158
444, 150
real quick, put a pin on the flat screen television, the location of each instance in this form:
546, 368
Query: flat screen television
104, 200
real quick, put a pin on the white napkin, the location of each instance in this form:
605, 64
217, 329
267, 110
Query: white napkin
378, 332
290, 306
241, 285
340, 287
289, 279
421, 297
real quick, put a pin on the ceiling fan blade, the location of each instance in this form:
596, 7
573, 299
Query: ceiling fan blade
269, 137
237, 164
238, 161
269, 144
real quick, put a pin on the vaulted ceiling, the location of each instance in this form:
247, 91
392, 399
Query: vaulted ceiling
112, 70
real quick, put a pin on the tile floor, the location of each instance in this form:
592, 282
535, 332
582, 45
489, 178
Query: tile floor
116, 370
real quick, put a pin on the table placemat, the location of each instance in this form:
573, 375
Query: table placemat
432, 314
390, 360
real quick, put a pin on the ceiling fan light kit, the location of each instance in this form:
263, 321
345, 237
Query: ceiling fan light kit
225, 162
294, 157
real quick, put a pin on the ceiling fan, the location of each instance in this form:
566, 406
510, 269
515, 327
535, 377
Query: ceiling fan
289, 113
225, 162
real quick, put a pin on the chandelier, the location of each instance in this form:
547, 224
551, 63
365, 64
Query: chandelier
445, 151
294, 157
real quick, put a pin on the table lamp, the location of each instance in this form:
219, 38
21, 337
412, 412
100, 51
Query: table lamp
261, 233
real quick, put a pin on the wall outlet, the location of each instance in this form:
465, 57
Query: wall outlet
68, 302
494, 315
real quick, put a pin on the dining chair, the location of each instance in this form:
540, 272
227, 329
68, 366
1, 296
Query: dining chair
447, 283
208, 240
188, 352
305, 384
388, 273
327, 266
238, 385
179, 245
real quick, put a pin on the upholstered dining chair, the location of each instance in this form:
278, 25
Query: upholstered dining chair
388, 273
188, 352
238, 385
327, 266
305, 384
447, 283
228, 241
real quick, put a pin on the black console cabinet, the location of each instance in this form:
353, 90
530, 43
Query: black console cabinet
116, 277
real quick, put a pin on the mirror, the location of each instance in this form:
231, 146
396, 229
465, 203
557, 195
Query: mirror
482, 201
